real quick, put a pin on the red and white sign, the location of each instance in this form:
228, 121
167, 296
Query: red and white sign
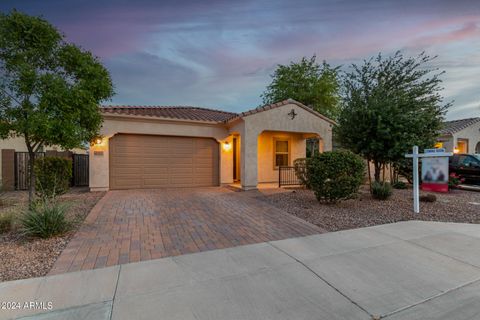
435, 174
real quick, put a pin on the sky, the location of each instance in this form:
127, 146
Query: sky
221, 54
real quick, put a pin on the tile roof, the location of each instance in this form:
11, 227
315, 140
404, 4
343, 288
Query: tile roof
279, 104
175, 112
454, 126
199, 114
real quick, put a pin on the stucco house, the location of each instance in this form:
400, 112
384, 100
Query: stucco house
153, 147
460, 136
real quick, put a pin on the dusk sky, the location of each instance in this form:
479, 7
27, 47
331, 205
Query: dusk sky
221, 54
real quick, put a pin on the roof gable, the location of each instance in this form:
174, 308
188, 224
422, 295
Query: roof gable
281, 104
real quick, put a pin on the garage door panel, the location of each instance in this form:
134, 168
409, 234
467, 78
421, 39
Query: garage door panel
160, 162
128, 183
141, 161
126, 161
155, 172
118, 171
156, 183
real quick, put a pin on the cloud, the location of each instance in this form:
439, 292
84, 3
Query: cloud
220, 53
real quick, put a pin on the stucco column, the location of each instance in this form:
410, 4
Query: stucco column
99, 166
249, 166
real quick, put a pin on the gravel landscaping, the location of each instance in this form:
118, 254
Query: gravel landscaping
456, 206
26, 258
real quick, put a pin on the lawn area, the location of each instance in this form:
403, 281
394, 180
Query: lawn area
27, 258
456, 206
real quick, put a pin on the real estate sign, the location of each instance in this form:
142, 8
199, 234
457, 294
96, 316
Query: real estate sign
435, 172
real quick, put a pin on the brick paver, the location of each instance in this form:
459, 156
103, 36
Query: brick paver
134, 225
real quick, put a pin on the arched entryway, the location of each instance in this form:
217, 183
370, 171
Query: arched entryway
477, 147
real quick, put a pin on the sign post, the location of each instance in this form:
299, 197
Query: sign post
416, 179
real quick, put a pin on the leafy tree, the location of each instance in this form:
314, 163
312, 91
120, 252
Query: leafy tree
49, 89
307, 81
389, 105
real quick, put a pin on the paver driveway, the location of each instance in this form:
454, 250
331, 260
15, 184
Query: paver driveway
133, 225
412, 270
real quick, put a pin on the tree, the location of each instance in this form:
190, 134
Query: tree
307, 81
49, 89
389, 105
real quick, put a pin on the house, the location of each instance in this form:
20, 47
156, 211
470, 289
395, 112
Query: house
153, 147
460, 136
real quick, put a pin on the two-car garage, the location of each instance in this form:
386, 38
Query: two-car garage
151, 161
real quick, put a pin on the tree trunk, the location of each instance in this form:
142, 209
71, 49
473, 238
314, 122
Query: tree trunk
31, 188
369, 176
377, 166
383, 173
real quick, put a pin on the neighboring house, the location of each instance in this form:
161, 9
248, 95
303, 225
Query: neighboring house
460, 136
8, 147
152, 147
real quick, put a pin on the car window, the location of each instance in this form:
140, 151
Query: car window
469, 160
461, 160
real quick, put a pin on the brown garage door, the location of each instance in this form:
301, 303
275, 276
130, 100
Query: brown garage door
144, 161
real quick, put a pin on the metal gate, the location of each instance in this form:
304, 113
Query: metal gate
80, 170
287, 176
22, 169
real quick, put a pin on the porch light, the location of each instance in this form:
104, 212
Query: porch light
227, 146
456, 150
97, 141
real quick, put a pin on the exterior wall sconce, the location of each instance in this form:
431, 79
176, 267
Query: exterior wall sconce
227, 146
97, 141
456, 150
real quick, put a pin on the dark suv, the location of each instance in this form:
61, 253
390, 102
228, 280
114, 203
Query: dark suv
466, 166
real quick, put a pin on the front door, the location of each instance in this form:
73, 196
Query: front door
236, 160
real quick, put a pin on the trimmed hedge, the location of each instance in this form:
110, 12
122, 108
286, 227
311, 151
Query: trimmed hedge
335, 175
53, 176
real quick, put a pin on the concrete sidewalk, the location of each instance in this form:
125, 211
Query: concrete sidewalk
408, 270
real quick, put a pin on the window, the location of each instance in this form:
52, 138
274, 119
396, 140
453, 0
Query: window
281, 152
462, 145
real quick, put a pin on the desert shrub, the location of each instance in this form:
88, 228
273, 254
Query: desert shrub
45, 220
6, 222
335, 175
381, 191
300, 166
428, 198
53, 176
399, 185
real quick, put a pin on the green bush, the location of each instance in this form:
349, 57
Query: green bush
45, 220
6, 222
381, 191
53, 176
399, 185
335, 175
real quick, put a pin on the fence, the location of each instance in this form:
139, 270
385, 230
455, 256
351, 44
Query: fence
22, 169
287, 176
